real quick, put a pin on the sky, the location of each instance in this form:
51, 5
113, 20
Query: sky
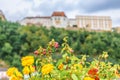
15, 10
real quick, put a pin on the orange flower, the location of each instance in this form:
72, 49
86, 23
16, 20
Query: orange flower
97, 78
60, 67
93, 71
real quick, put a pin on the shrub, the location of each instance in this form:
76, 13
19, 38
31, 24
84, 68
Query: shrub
69, 67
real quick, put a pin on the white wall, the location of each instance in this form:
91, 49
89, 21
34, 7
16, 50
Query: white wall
72, 22
95, 22
42, 21
59, 21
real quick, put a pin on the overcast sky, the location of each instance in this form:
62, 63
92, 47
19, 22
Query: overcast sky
15, 10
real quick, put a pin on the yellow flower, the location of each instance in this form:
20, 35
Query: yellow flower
46, 69
26, 70
11, 71
78, 66
14, 74
14, 78
32, 69
18, 74
27, 61
88, 78
102, 64
60, 67
105, 54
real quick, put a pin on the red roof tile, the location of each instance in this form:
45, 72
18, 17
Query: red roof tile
58, 14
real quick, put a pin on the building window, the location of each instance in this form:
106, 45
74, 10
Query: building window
74, 25
58, 18
55, 18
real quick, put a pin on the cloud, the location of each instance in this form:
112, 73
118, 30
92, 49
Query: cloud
113, 13
48, 7
99, 5
17, 9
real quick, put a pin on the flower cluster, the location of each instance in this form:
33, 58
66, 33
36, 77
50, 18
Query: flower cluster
44, 66
53, 44
28, 69
14, 74
46, 69
93, 73
27, 63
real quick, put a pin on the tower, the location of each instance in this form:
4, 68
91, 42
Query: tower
59, 19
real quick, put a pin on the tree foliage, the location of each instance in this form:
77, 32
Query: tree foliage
17, 41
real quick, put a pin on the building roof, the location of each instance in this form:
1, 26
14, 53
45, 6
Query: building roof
37, 17
57, 13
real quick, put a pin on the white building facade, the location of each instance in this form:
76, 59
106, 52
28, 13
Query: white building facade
95, 22
57, 19
60, 20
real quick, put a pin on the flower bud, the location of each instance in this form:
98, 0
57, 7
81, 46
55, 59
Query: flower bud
36, 52
56, 45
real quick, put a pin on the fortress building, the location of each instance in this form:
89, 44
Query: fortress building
60, 20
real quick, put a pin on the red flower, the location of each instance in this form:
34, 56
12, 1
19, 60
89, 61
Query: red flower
97, 78
36, 52
56, 45
44, 51
71, 50
93, 71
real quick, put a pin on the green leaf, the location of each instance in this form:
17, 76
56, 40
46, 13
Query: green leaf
74, 77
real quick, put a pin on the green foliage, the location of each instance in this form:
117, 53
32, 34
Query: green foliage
23, 40
7, 48
68, 67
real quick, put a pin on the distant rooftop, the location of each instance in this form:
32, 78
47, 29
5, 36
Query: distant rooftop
86, 16
58, 13
37, 17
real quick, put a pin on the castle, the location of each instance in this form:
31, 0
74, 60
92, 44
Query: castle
60, 20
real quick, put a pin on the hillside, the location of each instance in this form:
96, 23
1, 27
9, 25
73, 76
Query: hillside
17, 41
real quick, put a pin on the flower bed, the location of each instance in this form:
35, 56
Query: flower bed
42, 66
